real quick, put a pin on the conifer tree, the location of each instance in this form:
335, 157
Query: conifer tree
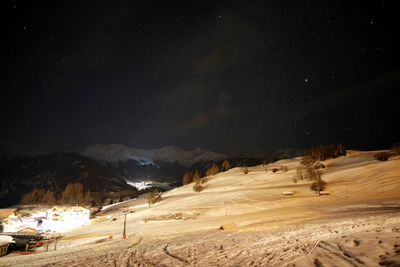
213, 170
48, 198
196, 176
225, 165
187, 178
87, 198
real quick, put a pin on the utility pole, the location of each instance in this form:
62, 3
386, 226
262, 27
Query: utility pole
124, 233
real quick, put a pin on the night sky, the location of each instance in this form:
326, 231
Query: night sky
227, 76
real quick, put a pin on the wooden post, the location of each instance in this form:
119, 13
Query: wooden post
27, 246
47, 245
55, 244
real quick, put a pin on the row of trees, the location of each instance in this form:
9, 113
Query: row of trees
190, 177
324, 152
195, 177
72, 194
198, 181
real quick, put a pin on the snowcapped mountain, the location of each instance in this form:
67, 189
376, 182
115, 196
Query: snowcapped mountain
20, 175
116, 153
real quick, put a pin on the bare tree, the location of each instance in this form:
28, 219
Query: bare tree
299, 173
382, 156
153, 197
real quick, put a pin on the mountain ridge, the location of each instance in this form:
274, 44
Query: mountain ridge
115, 153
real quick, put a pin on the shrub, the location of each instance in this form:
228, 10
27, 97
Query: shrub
396, 148
317, 263
197, 187
245, 170
382, 156
318, 185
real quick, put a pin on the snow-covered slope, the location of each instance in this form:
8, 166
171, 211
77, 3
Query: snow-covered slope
115, 153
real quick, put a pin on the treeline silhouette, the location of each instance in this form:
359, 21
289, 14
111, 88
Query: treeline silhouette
195, 176
73, 194
324, 152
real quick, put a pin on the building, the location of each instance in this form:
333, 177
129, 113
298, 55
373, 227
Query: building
4, 242
71, 217
56, 219
3, 248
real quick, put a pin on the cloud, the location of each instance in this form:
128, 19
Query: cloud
204, 119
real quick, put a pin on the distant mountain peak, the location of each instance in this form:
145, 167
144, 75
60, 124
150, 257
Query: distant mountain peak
115, 153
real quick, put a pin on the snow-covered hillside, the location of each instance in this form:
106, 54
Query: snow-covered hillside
243, 219
115, 153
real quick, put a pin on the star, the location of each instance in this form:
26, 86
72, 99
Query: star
306, 80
